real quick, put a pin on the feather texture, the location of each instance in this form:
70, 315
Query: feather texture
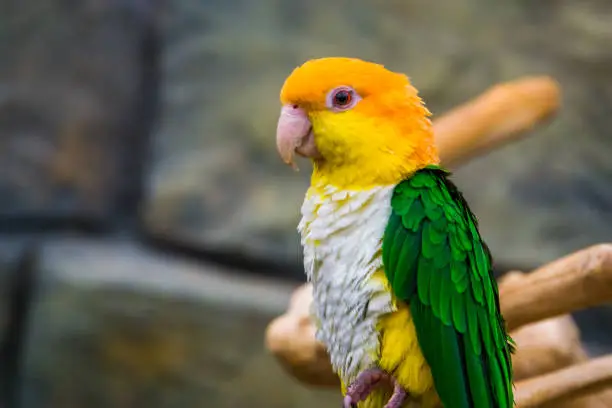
436, 261
341, 234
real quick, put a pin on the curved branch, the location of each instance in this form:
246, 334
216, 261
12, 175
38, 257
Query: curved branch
500, 115
291, 339
549, 390
577, 281
546, 346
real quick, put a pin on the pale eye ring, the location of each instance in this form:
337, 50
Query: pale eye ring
342, 98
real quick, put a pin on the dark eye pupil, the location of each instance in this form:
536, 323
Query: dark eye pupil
342, 98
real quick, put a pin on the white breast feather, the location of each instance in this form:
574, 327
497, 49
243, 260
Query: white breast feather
342, 236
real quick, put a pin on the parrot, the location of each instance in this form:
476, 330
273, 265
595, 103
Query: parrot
404, 296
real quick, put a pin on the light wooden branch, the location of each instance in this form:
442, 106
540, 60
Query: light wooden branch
542, 347
550, 390
500, 115
577, 281
546, 346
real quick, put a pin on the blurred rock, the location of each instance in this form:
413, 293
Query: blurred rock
75, 92
115, 326
216, 179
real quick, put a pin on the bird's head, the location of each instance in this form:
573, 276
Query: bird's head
361, 124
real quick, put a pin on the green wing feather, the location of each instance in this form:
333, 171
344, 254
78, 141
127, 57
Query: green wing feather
436, 261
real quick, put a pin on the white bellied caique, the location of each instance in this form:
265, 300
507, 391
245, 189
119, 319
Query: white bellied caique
404, 297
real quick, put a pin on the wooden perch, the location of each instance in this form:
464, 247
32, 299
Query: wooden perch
291, 338
575, 282
552, 389
542, 347
546, 346
500, 115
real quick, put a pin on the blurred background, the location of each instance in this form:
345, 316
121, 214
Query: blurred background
147, 226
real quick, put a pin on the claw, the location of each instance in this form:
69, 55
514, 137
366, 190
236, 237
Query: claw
348, 403
399, 396
366, 382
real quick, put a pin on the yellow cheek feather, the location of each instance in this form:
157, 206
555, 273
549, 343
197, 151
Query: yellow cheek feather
363, 150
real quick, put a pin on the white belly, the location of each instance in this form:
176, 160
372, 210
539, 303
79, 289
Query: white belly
342, 237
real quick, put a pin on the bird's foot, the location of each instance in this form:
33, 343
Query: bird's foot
366, 382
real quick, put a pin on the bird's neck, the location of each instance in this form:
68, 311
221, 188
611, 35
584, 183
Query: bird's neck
379, 169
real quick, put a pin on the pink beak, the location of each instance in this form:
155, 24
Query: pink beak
294, 135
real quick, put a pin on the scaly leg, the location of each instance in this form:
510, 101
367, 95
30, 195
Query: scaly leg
399, 396
366, 382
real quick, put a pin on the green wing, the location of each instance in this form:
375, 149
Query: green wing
436, 261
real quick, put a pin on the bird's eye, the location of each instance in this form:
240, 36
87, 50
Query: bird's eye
342, 98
